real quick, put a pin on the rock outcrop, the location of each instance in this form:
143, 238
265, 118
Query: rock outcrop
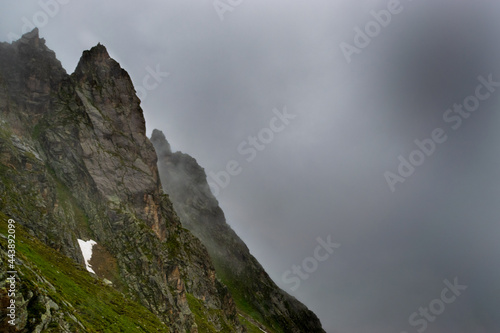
255, 293
76, 164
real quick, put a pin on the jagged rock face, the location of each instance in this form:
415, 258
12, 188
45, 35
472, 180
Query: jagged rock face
75, 163
30, 75
119, 158
185, 182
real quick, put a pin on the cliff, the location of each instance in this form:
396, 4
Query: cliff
75, 164
253, 290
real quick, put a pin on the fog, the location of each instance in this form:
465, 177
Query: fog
354, 117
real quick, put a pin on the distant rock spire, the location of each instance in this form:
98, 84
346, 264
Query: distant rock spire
32, 38
33, 34
161, 144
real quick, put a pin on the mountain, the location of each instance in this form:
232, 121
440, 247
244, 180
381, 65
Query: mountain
253, 290
75, 164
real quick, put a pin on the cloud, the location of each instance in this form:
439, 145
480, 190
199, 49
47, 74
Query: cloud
324, 174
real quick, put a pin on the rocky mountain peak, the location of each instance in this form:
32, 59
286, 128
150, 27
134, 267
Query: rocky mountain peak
102, 80
96, 54
32, 38
97, 66
31, 45
29, 70
160, 143
75, 164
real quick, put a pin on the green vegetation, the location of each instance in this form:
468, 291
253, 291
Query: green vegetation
70, 205
19, 199
37, 131
98, 307
201, 315
173, 246
242, 298
251, 328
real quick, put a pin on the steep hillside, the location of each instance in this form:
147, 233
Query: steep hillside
75, 164
55, 294
253, 290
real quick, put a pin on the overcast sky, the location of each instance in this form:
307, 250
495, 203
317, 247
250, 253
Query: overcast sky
356, 114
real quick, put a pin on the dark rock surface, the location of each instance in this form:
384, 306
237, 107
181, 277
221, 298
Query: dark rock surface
186, 184
76, 164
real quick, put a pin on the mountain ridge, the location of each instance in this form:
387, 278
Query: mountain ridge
76, 164
185, 181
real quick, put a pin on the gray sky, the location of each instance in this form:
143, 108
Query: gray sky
323, 173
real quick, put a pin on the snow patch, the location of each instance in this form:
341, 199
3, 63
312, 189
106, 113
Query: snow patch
86, 247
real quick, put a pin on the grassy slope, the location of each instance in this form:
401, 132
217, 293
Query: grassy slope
98, 307
198, 310
243, 300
